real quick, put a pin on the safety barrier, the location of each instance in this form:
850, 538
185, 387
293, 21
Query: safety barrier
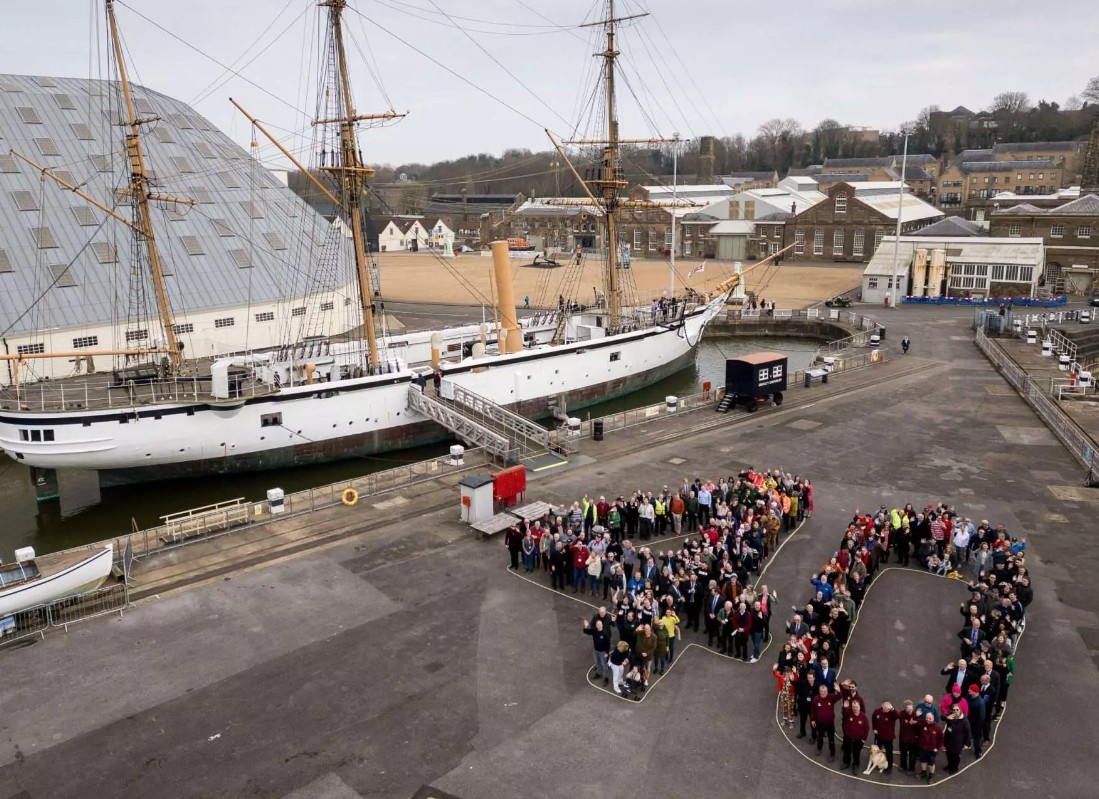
36, 621
215, 521
1082, 446
992, 302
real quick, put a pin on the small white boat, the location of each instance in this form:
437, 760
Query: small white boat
32, 581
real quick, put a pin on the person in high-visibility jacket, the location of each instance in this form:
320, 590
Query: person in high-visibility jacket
660, 515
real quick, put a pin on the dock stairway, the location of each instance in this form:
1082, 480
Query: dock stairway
481, 422
726, 403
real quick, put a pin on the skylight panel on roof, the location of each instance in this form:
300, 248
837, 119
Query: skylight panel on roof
201, 195
63, 276
144, 106
242, 258
46, 82
105, 252
64, 102
182, 165
43, 238
25, 200
222, 228
253, 209
164, 134
193, 245
229, 179
205, 150
65, 175
47, 146
28, 115
9, 86
276, 242
5, 262
82, 131
9, 164
85, 217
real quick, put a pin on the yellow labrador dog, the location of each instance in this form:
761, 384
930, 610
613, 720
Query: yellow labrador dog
877, 759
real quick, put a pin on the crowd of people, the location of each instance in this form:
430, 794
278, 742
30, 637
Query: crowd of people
718, 535
942, 541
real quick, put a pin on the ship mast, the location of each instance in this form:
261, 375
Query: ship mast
351, 171
141, 195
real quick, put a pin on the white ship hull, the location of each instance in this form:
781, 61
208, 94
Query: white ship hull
78, 578
341, 419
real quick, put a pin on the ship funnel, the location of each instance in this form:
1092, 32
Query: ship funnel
512, 339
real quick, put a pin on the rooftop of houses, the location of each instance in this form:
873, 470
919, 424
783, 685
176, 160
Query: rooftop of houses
959, 249
949, 226
1005, 166
1088, 205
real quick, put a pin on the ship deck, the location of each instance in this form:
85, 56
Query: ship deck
101, 391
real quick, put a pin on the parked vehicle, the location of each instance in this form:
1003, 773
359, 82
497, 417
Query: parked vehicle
841, 301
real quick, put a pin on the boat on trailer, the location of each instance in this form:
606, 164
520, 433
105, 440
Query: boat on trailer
33, 581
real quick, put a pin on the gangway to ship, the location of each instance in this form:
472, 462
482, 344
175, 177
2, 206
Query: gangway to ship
481, 422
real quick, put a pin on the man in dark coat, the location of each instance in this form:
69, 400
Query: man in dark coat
805, 690
956, 737
978, 711
513, 540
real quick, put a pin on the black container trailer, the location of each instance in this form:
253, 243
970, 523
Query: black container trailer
754, 380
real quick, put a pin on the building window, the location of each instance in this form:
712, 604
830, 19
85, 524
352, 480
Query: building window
877, 239
327, 306
83, 342
841, 203
1083, 232
637, 239
652, 241
1014, 230
299, 311
137, 335
871, 282
799, 242
1057, 231
265, 316
749, 209
837, 242
270, 420
858, 242
186, 327
818, 242
616, 356
227, 321
30, 349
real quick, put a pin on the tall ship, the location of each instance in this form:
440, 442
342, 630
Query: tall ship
166, 410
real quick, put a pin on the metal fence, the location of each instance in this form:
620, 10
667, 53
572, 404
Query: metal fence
37, 621
236, 515
1078, 442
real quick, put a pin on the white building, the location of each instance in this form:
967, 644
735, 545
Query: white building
955, 266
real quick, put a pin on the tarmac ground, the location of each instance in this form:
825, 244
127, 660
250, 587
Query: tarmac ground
405, 661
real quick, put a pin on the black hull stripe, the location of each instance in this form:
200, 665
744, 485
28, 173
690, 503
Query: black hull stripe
66, 418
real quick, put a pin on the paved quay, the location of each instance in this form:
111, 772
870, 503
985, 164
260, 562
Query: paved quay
398, 657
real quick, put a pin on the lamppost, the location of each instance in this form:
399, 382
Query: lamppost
894, 296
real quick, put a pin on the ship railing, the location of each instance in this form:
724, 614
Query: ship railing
92, 394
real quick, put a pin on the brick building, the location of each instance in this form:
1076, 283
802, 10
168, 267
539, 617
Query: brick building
1071, 236
850, 223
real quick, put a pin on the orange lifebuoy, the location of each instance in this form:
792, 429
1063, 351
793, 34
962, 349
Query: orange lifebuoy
349, 497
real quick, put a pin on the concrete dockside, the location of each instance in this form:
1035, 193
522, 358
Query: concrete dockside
383, 649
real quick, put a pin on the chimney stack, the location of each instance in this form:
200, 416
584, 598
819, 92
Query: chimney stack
705, 160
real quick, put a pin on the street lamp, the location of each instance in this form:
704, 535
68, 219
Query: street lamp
900, 210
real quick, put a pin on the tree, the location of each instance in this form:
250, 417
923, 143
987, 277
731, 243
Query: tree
1091, 91
1009, 104
1073, 103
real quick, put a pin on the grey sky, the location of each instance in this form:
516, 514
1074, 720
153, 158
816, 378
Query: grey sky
864, 62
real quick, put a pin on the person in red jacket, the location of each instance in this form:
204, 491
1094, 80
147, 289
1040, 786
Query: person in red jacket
856, 729
822, 717
884, 722
909, 733
930, 742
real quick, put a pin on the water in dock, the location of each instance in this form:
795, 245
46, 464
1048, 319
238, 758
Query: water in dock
43, 526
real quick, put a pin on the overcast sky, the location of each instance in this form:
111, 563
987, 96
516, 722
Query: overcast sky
699, 66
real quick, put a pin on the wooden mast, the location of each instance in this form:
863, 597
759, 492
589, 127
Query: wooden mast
352, 173
610, 183
139, 191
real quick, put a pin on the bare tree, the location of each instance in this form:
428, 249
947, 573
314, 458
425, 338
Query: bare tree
1091, 91
1010, 103
1073, 103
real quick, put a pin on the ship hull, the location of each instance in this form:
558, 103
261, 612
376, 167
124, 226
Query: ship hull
345, 419
376, 442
